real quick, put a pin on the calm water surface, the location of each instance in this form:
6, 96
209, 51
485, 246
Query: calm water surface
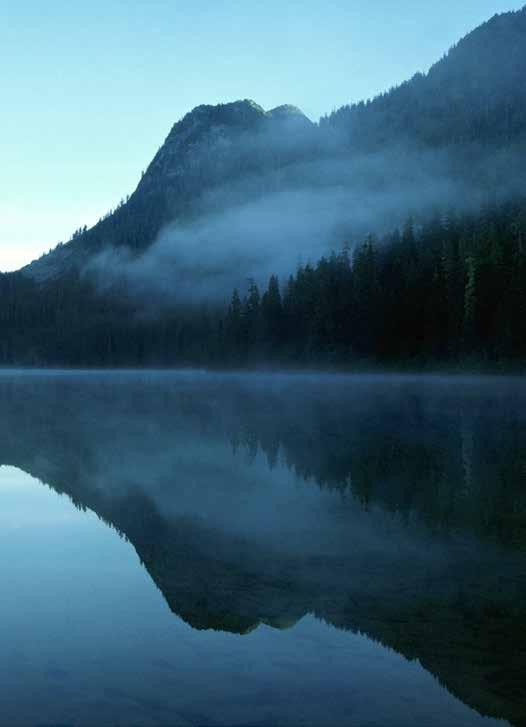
219, 550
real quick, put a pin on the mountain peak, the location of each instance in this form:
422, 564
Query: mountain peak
290, 116
222, 132
234, 113
243, 113
285, 110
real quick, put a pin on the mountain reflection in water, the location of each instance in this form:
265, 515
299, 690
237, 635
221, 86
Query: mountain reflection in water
392, 508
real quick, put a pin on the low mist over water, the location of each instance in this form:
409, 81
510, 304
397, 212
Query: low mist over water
208, 549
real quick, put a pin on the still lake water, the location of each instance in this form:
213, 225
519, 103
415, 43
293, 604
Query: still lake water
237, 550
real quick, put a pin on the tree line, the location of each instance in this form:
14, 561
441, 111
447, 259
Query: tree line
447, 289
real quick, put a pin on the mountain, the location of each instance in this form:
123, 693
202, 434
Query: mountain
450, 136
238, 199
209, 146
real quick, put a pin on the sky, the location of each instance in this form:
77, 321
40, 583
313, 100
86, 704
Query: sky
89, 91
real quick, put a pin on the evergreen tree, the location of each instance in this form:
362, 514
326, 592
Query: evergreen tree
272, 315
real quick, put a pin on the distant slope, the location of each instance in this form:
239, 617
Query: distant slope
475, 93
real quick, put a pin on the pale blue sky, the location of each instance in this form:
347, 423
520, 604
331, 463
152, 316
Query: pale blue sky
90, 90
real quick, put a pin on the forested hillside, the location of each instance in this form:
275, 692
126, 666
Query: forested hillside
475, 94
449, 289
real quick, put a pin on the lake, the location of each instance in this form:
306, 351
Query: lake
208, 550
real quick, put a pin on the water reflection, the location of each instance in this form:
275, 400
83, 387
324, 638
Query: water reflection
390, 508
